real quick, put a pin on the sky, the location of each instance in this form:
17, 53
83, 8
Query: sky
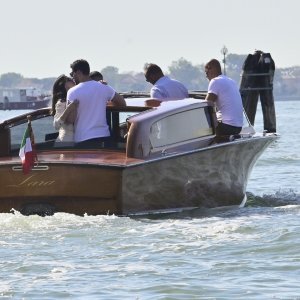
41, 38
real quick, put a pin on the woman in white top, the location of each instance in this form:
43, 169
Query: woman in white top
64, 115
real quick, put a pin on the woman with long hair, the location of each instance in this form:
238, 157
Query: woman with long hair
64, 114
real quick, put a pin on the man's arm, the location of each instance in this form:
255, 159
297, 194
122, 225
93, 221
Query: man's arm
152, 102
70, 113
211, 97
117, 100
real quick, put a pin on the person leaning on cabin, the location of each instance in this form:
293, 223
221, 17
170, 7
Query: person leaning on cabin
64, 116
224, 92
164, 88
91, 126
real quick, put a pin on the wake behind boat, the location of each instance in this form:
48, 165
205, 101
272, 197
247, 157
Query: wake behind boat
158, 159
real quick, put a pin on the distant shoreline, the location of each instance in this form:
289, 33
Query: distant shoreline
287, 98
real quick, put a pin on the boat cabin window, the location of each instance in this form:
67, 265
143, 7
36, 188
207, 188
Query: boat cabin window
183, 126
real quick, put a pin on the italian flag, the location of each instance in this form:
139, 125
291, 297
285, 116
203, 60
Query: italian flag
27, 153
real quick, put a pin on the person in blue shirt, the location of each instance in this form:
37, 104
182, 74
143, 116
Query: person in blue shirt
164, 88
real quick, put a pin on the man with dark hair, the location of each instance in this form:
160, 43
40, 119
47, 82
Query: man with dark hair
91, 125
225, 93
97, 76
164, 88
79, 65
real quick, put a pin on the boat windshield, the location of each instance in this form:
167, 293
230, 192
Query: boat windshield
45, 135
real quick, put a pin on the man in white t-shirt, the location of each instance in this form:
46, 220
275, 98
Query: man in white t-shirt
91, 125
164, 88
225, 93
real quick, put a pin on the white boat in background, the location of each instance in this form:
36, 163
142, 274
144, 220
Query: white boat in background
158, 159
22, 98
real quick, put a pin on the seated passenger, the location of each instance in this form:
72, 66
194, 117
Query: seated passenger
64, 115
91, 126
225, 93
164, 88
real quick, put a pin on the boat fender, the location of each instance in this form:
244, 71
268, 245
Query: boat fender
40, 209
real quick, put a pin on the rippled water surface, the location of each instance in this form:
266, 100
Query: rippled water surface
241, 253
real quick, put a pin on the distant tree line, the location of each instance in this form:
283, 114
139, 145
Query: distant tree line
285, 86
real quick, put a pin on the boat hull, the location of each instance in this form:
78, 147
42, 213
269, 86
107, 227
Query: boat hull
210, 177
36, 104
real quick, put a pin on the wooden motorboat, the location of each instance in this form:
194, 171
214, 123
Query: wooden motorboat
158, 159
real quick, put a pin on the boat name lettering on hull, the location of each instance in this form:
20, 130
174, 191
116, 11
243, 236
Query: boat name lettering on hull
30, 182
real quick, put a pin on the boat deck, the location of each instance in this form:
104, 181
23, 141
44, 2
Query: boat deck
95, 157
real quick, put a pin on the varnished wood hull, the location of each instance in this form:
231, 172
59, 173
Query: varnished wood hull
102, 182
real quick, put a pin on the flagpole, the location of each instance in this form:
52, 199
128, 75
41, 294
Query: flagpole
29, 118
27, 151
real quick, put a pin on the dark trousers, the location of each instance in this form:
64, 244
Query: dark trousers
93, 143
225, 129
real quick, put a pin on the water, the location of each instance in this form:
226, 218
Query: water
245, 253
